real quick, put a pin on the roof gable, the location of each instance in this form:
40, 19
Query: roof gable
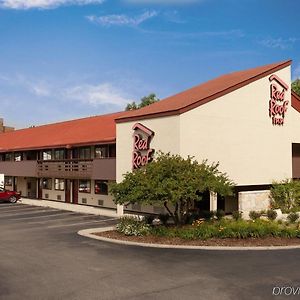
202, 93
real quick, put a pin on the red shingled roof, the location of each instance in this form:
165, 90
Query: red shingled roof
92, 130
296, 101
102, 129
202, 93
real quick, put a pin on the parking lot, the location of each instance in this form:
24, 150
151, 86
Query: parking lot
42, 257
33, 216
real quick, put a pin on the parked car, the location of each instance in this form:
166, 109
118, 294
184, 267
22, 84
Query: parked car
9, 196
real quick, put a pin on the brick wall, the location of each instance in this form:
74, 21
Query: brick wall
4, 128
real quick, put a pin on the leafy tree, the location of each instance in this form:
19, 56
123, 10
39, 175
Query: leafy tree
285, 194
173, 182
296, 86
145, 101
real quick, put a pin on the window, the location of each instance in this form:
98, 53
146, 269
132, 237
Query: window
47, 155
8, 181
59, 184
101, 151
112, 150
8, 156
84, 186
47, 183
59, 154
18, 156
85, 153
101, 187
31, 155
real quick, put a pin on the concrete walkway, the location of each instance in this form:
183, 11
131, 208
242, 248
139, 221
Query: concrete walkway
71, 207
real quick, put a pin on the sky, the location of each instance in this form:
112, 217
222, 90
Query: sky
67, 59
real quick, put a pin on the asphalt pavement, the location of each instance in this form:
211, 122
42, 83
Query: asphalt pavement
43, 257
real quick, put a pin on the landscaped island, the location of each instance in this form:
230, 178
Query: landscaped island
215, 230
178, 184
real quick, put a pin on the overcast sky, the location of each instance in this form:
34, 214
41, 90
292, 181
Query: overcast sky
65, 59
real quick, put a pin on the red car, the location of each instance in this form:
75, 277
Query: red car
9, 196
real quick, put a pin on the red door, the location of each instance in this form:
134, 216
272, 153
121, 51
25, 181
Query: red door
75, 191
40, 191
68, 191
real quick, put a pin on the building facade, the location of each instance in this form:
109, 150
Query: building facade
4, 128
247, 121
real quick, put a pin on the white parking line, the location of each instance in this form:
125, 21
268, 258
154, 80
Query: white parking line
7, 206
62, 213
83, 223
19, 208
63, 220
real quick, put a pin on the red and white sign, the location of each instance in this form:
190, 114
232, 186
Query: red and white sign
278, 104
142, 153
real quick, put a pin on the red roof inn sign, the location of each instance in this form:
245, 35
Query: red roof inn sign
277, 104
142, 153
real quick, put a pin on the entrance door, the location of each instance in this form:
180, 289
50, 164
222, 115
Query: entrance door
15, 184
40, 189
32, 187
68, 191
75, 191
204, 203
221, 203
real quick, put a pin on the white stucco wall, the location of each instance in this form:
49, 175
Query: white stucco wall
236, 130
166, 138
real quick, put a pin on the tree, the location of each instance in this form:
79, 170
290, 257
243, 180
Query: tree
173, 182
296, 86
145, 101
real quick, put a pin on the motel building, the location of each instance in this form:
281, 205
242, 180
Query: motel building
248, 121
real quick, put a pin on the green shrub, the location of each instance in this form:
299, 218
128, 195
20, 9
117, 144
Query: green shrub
149, 219
192, 216
164, 218
207, 215
254, 215
132, 226
271, 214
236, 215
240, 229
220, 214
285, 195
293, 217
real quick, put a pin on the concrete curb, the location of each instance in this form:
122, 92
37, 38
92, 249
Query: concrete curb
89, 233
70, 207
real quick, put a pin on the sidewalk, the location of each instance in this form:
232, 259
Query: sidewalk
70, 207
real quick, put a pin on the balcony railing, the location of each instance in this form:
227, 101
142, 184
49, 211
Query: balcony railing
104, 168
24, 168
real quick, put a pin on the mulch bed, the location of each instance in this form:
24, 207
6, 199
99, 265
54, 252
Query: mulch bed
269, 241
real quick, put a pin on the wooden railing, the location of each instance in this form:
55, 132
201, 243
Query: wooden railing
67, 168
102, 168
